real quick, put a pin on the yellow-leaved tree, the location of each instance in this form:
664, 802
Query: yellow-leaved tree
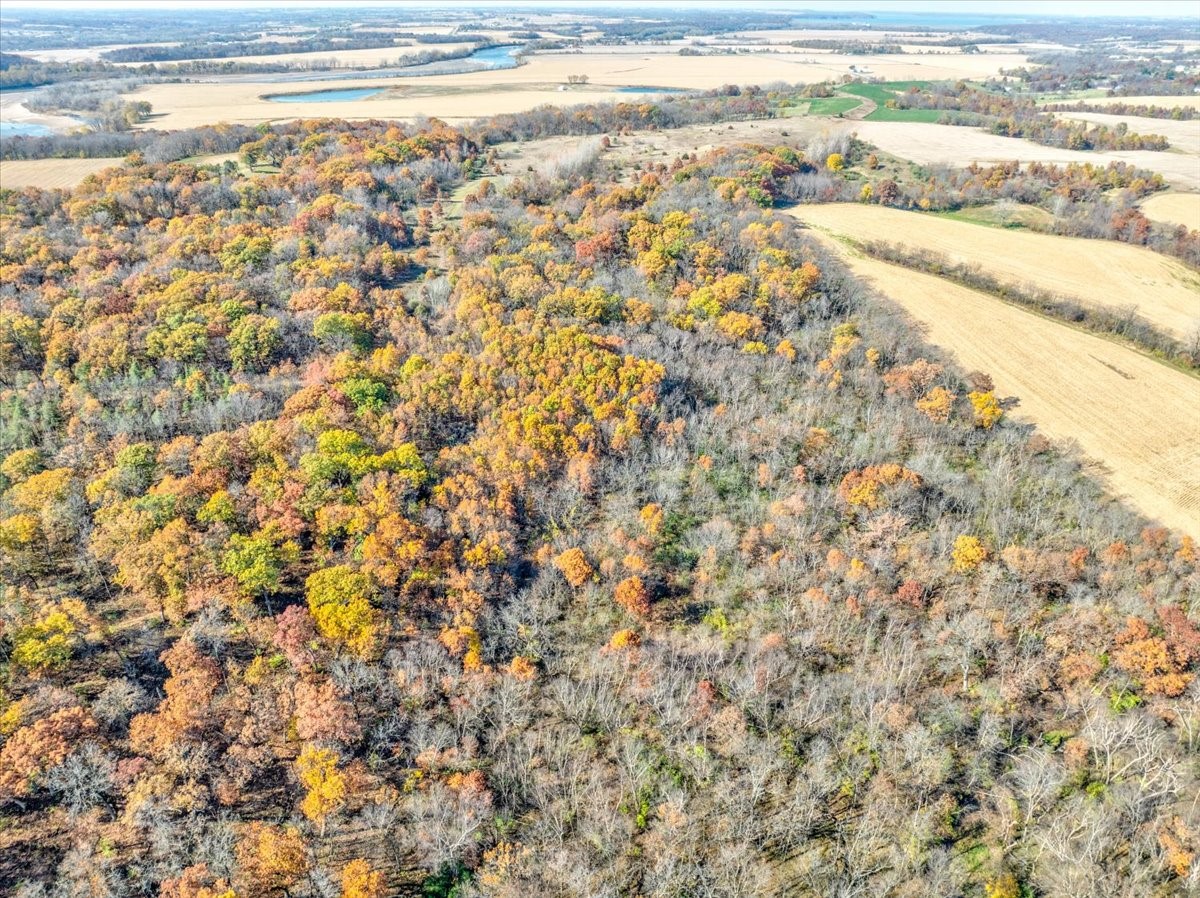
987, 409
969, 553
317, 769
936, 405
339, 600
359, 880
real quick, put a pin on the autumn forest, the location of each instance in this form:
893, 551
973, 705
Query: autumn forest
371, 524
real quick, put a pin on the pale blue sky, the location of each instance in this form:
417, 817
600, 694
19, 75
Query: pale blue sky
1118, 8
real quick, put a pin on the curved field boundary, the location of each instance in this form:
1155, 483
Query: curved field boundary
1184, 136
956, 146
1174, 208
1137, 419
1102, 273
1169, 101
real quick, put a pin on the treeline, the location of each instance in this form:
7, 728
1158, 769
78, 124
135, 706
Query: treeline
1118, 73
1140, 110
23, 72
155, 146
402, 60
319, 63
35, 74
946, 187
665, 112
320, 43
101, 106
1084, 200
1080, 31
218, 50
1124, 323
1020, 117
723, 104
8, 60
1069, 135
850, 47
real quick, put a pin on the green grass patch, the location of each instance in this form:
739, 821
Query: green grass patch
883, 91
876, 92
883, 114
833, 105
1008, 215
890, 90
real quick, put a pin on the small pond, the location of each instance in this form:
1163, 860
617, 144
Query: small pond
23, 129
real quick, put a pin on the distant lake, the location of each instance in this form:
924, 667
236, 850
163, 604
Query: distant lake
327, 96
23, 129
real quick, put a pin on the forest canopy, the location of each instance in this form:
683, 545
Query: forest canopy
368, 528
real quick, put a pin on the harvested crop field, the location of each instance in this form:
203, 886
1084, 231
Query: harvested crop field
668, 68
48, 173
1170, 102
1184, 136
1174, 208
933, 144
538, 81
80, 54
194, 105
1098, 272
1137, 419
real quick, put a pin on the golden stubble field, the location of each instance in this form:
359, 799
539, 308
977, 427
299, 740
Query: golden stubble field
956, 146
179, 106
1174, 208
1098, 272
1170, 102
475, 94
50, 173
1184, 136
1136, 421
